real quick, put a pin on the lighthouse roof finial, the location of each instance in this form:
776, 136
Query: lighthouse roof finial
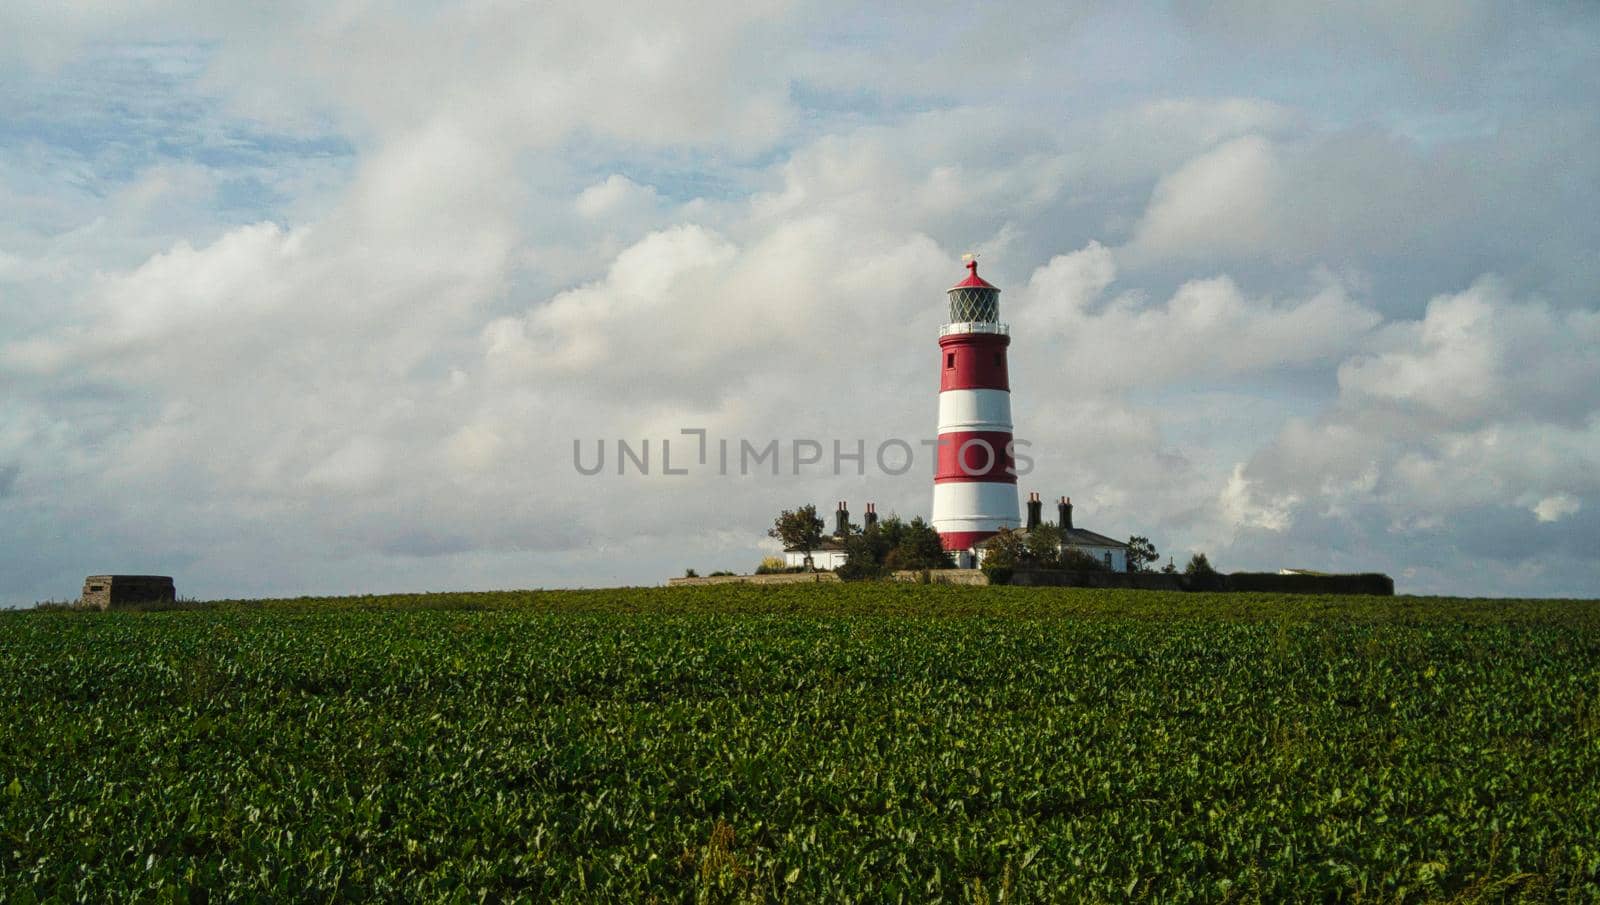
973, 281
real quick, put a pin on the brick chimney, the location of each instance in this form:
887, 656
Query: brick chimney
841, 520
1035, 510
1065, 509
871, 518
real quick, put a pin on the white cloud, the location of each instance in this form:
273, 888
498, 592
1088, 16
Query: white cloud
1209, 328
1243, 507
1474, 409
1479, 355
686, 315
617, 196
644, 72
1555, 508
1220, 201
651, 311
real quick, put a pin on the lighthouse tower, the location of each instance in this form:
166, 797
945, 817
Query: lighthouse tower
975, 483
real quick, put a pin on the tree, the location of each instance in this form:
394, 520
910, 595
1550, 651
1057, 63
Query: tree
883, 539
1001, 553
1141, 553
798, 529
889, 531
1004, 550
1044, 546
1199, 565
1169, 568
879, 539
864, 553
919, 547
892, 544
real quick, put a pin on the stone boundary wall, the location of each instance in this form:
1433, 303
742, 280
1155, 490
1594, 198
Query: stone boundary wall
935, 576
775, 578
1056, 578
1265, 582
942, 576
1373, 583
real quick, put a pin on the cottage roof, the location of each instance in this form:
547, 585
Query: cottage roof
1089, 538
1072, 537
832, 542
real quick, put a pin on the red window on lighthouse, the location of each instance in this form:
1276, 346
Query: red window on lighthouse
949, 360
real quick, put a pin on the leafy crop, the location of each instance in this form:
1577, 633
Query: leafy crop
817, 743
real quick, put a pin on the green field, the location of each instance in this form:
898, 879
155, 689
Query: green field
805, 743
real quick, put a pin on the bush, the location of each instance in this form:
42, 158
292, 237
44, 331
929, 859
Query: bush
1005, 550
859, 569
998, 573
771, 565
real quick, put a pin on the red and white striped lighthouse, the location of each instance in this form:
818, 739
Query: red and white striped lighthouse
975, 483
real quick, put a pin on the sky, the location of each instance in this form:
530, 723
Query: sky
319, 297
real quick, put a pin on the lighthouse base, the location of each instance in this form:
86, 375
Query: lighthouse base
963, 540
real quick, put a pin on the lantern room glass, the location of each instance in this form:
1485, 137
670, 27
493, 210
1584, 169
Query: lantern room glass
974, 305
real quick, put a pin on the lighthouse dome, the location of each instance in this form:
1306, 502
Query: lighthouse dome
974, 299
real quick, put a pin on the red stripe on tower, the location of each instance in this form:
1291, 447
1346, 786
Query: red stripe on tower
975, 483
974, 361
975, 456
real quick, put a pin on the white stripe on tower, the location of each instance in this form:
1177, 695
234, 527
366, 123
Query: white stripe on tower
975, 410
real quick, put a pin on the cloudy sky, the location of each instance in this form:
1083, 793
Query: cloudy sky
316, 297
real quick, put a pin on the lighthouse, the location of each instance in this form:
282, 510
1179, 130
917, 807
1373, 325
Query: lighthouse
975, 481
